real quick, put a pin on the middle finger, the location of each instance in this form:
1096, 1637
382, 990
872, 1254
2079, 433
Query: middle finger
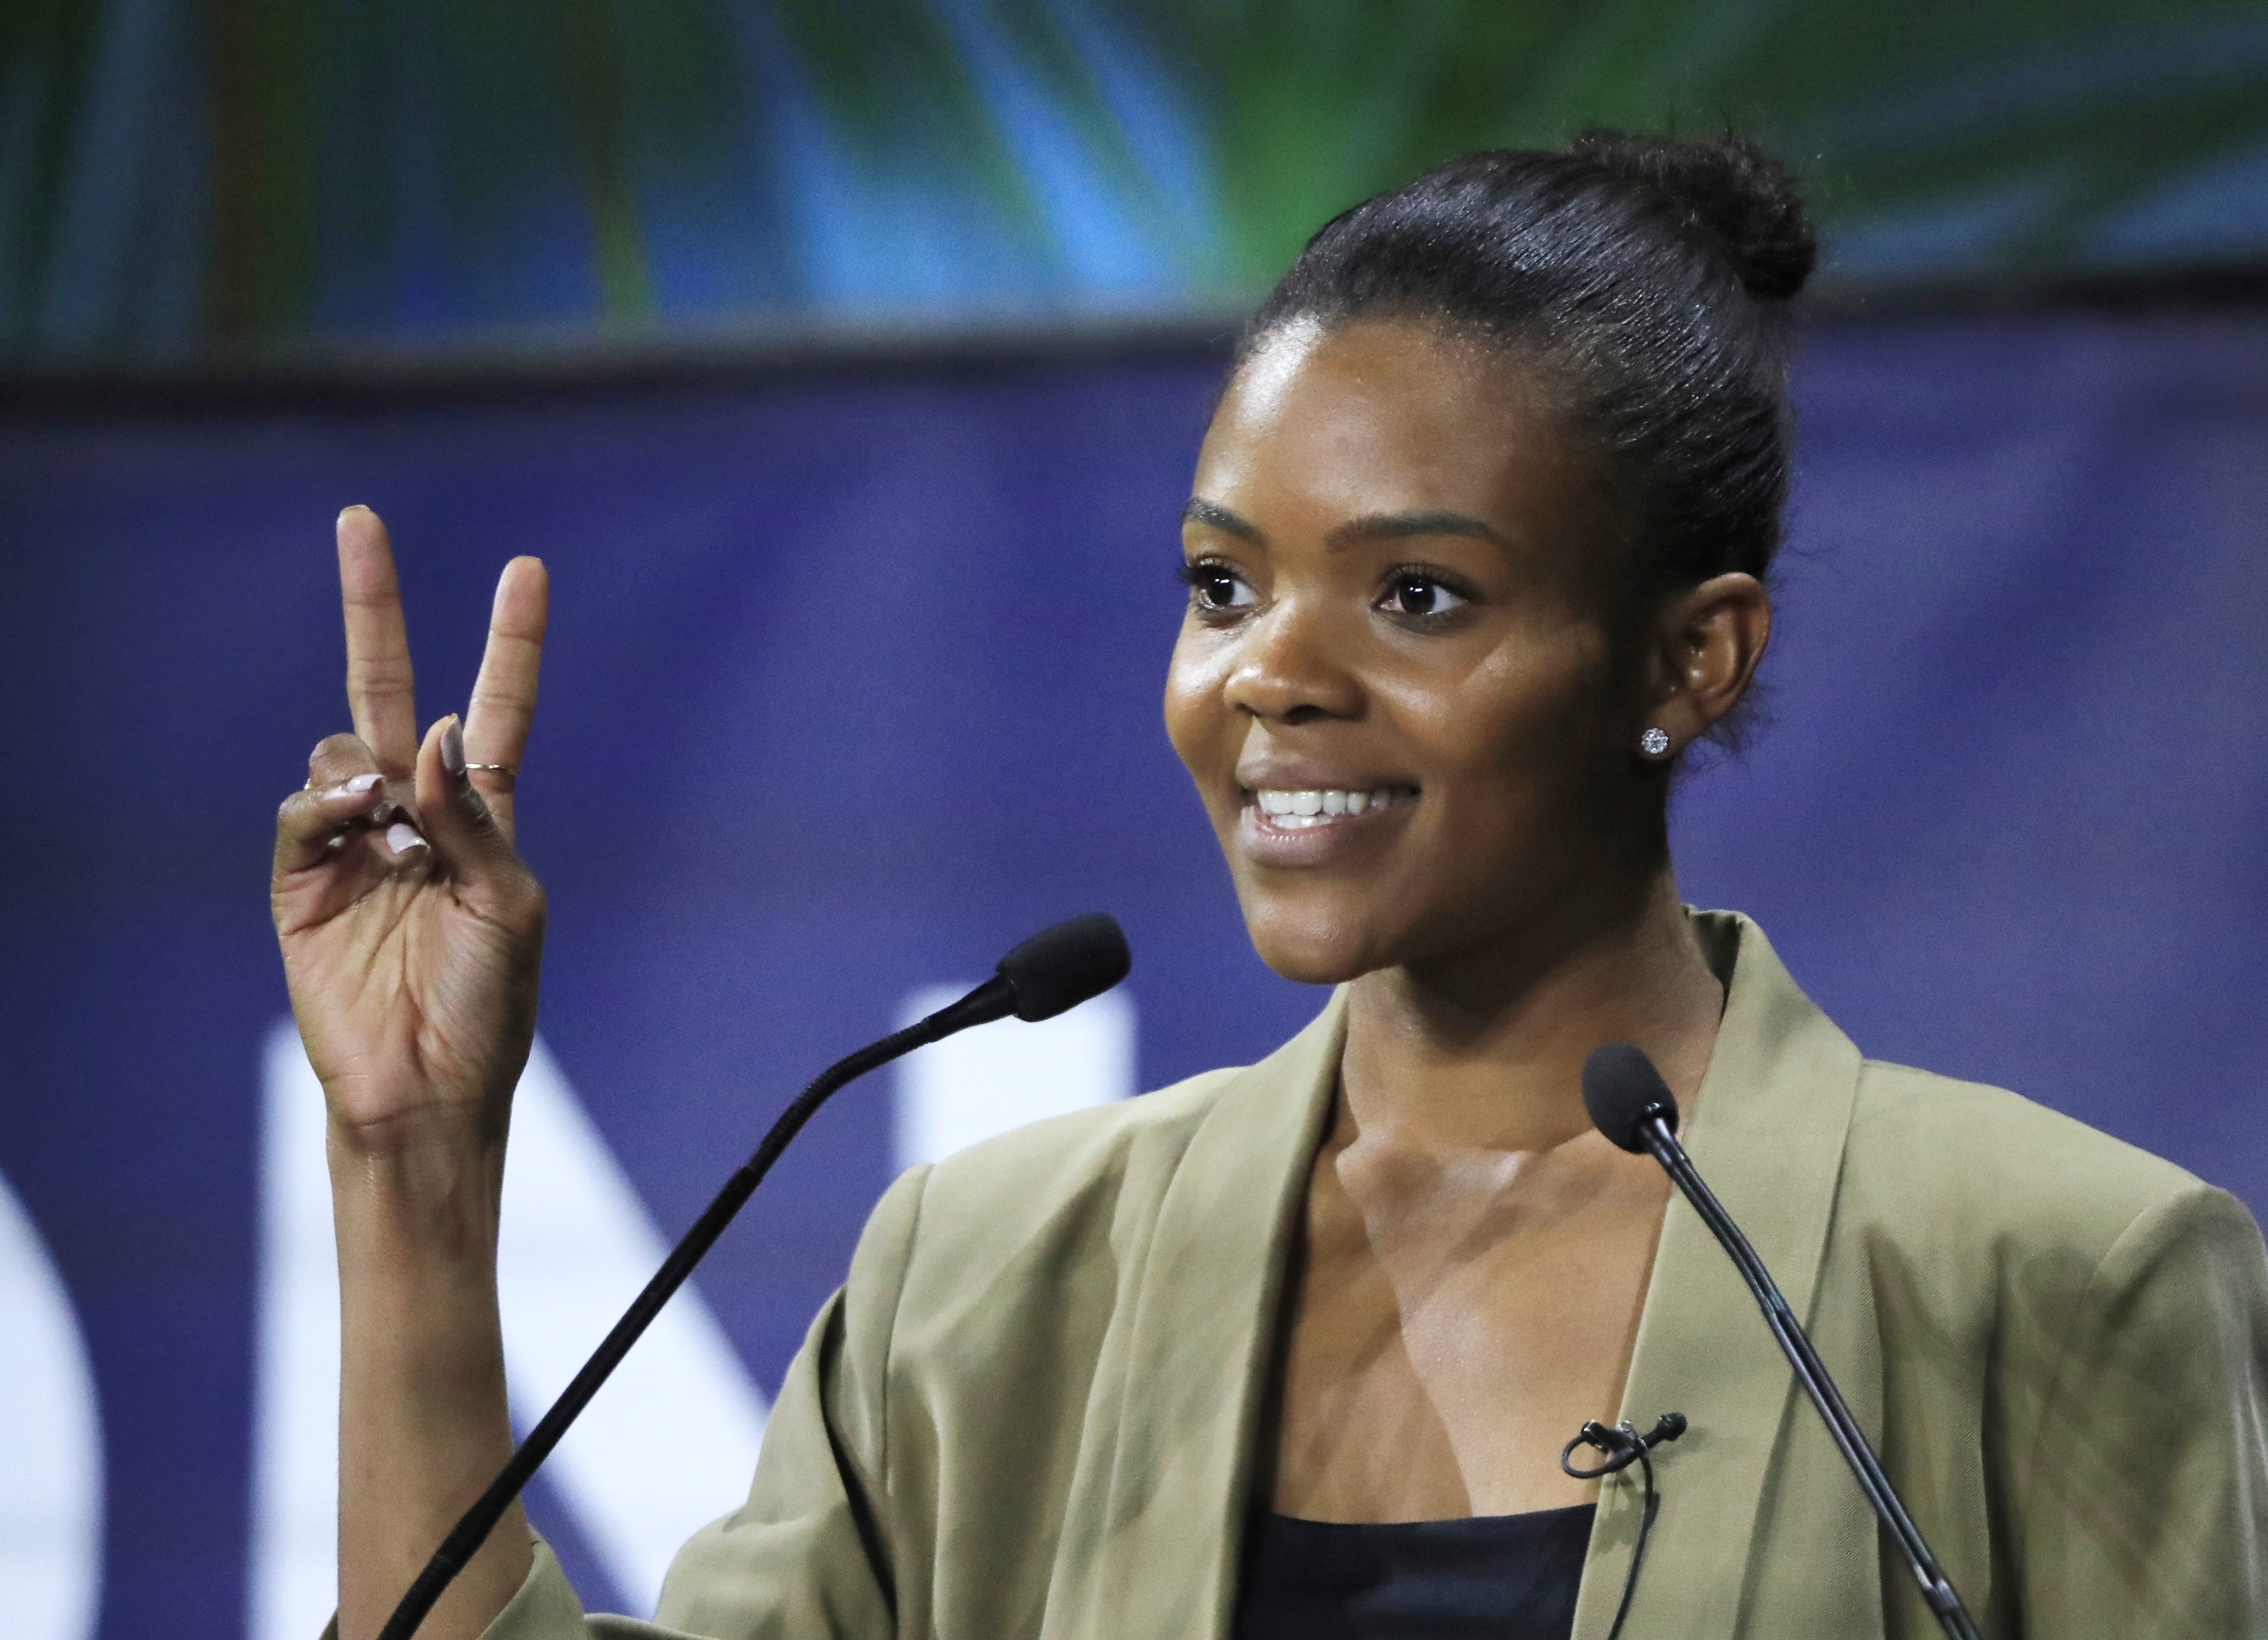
503, 705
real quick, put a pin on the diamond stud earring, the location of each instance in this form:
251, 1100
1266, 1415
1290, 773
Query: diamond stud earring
1655, 742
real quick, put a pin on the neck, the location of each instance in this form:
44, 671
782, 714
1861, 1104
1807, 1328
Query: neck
1486, 1050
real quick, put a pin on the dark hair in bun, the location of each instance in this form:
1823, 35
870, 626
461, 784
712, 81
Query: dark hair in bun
1648, 276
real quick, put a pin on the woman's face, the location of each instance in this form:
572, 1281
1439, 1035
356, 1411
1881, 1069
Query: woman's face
1393, 684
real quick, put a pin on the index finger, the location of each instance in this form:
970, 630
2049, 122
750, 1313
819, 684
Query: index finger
502, 706
379, 690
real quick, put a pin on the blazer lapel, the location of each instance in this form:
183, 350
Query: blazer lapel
1767, 1131
1154, 1522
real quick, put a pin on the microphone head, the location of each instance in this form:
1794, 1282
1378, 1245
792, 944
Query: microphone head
1620, 1089
1059, 968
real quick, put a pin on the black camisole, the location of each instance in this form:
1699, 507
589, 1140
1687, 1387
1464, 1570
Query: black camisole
1506, 1576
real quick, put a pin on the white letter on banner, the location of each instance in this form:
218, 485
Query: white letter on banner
999, 1076
50, 1446
668, 1444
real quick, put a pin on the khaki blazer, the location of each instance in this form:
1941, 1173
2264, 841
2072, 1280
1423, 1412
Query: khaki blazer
1033, 1409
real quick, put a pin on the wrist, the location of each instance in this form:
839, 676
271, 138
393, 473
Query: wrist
436, 1191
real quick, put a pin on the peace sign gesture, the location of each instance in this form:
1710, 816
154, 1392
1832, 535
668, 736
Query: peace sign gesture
411, 932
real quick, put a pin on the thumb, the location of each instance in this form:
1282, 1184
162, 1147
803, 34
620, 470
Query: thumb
457, 819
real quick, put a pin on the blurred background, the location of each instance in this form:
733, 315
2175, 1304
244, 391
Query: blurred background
847, 363
191, 180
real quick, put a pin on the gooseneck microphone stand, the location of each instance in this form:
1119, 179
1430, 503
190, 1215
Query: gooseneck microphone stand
1053, 970
1632, 1106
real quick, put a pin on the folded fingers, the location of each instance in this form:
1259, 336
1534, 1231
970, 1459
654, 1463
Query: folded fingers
346, 797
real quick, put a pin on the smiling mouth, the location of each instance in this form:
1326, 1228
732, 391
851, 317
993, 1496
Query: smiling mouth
1302, 810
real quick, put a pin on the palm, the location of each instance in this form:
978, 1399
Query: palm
405, 995
412, 963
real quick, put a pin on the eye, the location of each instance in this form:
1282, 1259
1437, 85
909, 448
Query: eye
1421, 594
1215, 588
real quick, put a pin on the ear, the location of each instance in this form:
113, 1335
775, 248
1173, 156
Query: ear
1706, 643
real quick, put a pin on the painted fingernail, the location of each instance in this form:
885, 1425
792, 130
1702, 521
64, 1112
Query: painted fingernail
452, 747
360, 784
401, 838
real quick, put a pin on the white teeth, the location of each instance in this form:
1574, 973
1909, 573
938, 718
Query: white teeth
1298, 810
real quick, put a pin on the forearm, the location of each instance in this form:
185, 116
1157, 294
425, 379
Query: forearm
423, 1422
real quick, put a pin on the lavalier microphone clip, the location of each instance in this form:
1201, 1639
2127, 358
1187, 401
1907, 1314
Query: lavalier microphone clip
1620, 1442
1623, 1446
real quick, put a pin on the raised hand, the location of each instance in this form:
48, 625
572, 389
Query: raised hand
412, 933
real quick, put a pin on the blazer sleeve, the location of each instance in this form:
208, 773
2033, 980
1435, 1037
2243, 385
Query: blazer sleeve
808, 1556
2145, 1494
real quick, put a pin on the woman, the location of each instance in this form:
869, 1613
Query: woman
1476, 553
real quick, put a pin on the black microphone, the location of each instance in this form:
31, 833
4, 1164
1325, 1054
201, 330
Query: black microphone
1056, 969
1632, 1105
1052, 972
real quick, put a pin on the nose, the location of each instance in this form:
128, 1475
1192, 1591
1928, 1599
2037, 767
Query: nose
1291, 666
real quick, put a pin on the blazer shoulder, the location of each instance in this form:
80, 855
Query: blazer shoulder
1970, 1154
1012, 1188
1078, 1141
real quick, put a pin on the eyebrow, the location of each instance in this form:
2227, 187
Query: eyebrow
1374, 526
1200, 511
1401, 526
